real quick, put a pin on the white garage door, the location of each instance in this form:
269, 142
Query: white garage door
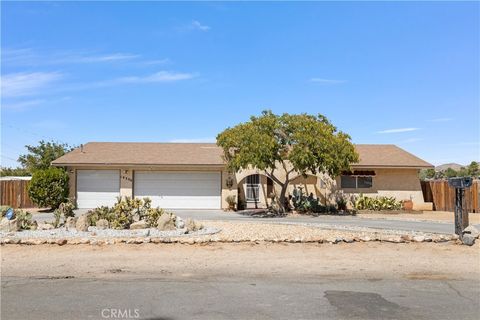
179, 190
97, 188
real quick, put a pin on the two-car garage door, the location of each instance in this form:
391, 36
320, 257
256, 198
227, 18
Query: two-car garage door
170, 190
179, 190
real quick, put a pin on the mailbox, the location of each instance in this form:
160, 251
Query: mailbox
458, 182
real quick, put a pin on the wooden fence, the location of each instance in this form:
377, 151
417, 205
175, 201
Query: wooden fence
443, 196
14, 193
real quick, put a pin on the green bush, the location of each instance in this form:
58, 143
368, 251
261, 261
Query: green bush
49, 188
377, 204
125, 212
24, 218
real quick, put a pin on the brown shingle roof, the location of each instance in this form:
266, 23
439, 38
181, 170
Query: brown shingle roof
145, 153
387, 155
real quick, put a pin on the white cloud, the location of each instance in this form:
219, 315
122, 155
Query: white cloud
326, 81
398, 130
23, 83
29, 57
194, 140
161, 76
441, 120
22, 104
198, 26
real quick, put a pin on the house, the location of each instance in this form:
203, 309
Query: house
194, 176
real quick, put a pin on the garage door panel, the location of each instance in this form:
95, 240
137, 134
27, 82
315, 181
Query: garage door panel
97, 188
179, 190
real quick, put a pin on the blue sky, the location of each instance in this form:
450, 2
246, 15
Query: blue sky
404, 73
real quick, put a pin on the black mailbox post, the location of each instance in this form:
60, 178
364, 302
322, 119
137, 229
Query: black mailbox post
461, 214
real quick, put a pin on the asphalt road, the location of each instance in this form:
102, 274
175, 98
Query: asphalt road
237, 297
329, 221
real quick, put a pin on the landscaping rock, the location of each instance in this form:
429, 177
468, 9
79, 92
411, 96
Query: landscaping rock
418, 238
468, 239
472, 231
192, 226
142, 224
102, 224
61, 242
45, 226
179, 223
82, 223
71, 223
165, 223
9, 225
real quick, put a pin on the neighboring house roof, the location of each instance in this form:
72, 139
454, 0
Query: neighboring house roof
146, 153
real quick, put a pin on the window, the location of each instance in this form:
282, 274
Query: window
253, 187
356, 182
349, 182
364, 182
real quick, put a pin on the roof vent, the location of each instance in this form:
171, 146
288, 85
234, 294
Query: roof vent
81, 148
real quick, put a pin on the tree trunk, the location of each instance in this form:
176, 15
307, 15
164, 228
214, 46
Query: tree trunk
283, 199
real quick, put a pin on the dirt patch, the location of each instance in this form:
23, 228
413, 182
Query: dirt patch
437, 216
360, 260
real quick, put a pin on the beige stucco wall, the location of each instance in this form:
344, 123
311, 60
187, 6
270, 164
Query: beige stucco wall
402, 184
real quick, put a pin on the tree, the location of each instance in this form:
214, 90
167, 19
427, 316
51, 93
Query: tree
473, 169
297, 144
49, 187
13, 172
450, 173
427, 174
42, 155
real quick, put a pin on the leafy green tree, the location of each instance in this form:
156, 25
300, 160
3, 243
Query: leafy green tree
298, 144
40, 156
427, 174
450, 173
49, 187
13, 172
473, 169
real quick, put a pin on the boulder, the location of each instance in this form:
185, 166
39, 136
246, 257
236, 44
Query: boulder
165, 222
179, 223
472, 231
9, 225
418, 238
70, 223
82, 223
45, 226
142, 224
102, 224
468, 239
34, 225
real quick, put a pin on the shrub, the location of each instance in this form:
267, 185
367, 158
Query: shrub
65, 209
378, 203
232, 202
125, 212
49, 187
24, 219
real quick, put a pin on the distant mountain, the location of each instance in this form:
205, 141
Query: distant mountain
454, 166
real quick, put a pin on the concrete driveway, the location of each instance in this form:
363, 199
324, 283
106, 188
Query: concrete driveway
331, 221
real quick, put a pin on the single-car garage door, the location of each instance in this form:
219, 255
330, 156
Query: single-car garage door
179, 190
97, 188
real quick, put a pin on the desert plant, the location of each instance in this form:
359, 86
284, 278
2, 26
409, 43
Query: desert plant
24, 219
376, 204
126, 211
49, 187
232, 202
